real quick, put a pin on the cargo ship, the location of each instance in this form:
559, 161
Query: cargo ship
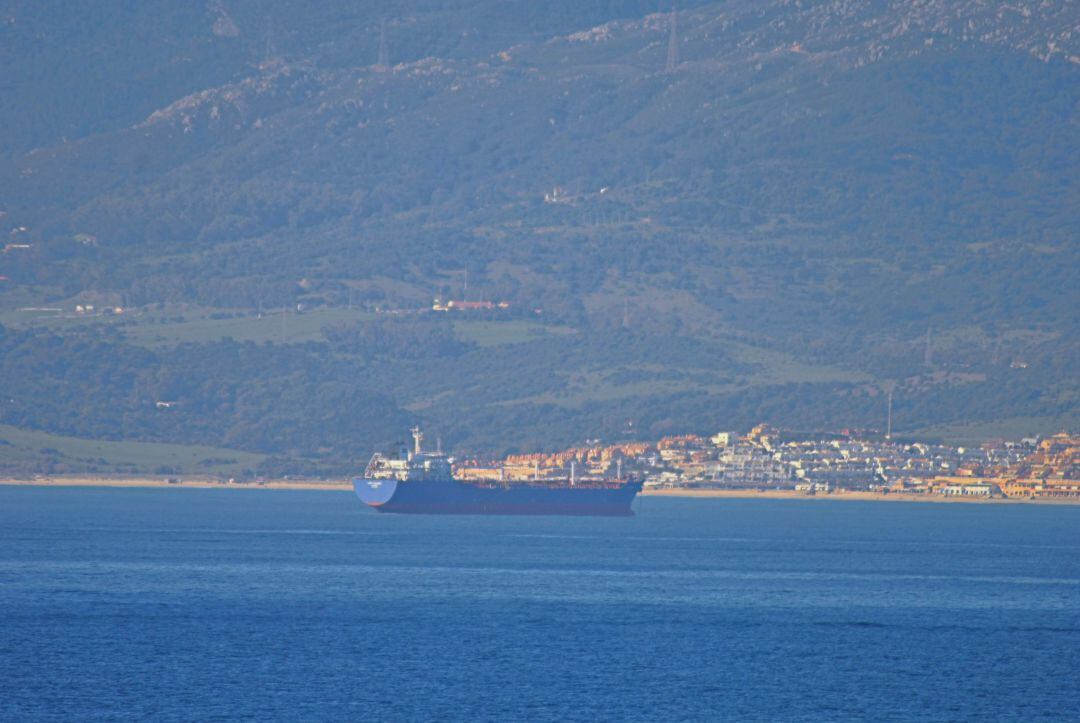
423, 482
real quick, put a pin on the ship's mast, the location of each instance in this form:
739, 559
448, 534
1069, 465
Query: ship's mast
418, 438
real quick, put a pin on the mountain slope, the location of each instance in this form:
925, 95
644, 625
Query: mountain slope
832, 182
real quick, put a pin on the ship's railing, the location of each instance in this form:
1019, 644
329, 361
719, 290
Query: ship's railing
373, 464
555, 482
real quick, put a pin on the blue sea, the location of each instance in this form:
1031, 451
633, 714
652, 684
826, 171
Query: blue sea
182, 604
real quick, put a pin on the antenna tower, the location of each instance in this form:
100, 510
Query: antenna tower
268, 54
673, 44
888, 424
384, 54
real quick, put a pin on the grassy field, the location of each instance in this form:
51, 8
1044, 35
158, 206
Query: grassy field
162, 328
1012, 428
776, 367
771, 367
171, 326
495, 333
291, 327
19, 447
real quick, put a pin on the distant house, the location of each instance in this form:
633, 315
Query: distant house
454, 305
968, 490
723, 439
164, 405
557, 195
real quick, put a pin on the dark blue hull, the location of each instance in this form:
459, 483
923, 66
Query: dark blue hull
463, 498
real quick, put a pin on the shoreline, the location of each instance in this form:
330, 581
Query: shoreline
854, 496
159, 483
344, 486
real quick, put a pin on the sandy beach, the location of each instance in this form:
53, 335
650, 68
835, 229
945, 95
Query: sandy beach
185, 482
345, 486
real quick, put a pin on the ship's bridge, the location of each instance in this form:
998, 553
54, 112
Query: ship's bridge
411, 466
429, 466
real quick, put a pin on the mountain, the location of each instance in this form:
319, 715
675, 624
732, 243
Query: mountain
73, 69
737, 212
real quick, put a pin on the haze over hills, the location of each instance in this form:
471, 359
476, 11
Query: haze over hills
774, 212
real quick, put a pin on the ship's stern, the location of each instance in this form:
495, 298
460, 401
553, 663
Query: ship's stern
374, 492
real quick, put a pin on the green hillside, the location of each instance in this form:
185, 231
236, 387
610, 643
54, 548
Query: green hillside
32, 452
803, 207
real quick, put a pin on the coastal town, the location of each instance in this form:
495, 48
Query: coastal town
784, 461
765, 462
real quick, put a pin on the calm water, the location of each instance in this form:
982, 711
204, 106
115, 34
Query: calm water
194, 604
